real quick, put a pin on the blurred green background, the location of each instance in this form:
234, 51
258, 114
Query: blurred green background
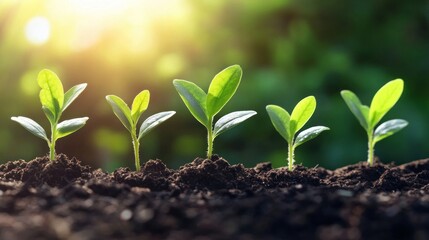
287, 49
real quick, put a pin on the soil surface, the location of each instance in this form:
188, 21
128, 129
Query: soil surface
211, 199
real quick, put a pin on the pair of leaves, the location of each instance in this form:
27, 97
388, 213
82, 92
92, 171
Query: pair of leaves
205, 106
287, 125
63, 129
54, 102
127, 116
130, 117
385, 98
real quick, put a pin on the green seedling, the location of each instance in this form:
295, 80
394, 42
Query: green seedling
385, 98
54, 102
289, 124
204, 106
130, 117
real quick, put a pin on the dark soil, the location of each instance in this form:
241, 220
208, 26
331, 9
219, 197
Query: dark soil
211, 199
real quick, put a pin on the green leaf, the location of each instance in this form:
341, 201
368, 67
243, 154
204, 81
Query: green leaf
385, 98
31, 126
360, 111
194, 98
222, 88
388, 128
49, 115
140, 104
52, 92
302, 113
280, 119
121, 110
309, 134
72, 94
153, 121
231, 120
68, 127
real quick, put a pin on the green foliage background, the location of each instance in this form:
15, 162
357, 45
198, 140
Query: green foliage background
287, 49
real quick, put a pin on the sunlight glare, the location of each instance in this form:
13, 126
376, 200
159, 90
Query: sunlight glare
38, 30
131, 25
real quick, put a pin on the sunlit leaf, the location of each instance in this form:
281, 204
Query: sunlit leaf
72, 94
302, 113
231, 120
52, 92
121, 110
68, 127
31, 126
309, 134
140, 104
194, 98
388, 128
385, 98
153, 121
281, 120
222, 88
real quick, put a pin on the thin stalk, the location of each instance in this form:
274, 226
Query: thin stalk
370, 148
136, 146
52, 143
291, 160
210, 139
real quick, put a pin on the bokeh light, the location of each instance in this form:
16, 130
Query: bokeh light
38, 30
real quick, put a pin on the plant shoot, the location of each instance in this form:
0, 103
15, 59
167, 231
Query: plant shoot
368, 117
130, 117
204, 106
287, 125
54, 102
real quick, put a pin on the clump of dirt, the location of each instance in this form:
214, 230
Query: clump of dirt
153, 175
58, 173
212, 199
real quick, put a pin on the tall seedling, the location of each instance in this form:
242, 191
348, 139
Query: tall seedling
368, 117
130, 117
204, 106
288, 125
54, 102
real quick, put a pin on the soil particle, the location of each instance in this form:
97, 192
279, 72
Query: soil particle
211, 199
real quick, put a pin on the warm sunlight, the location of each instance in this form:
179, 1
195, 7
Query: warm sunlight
127, 24
38, 30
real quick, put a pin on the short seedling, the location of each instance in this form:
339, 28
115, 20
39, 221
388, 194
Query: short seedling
289, 124
385, 98
54, 102
130, 117
205, 106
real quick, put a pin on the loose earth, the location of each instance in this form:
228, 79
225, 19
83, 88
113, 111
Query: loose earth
211, 199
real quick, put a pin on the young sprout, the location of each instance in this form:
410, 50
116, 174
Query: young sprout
204, 106
130, 117
289, 124
54, 102
385, 98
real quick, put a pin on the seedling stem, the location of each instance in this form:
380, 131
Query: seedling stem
370, 147
291, 157
210, 139
136, 146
